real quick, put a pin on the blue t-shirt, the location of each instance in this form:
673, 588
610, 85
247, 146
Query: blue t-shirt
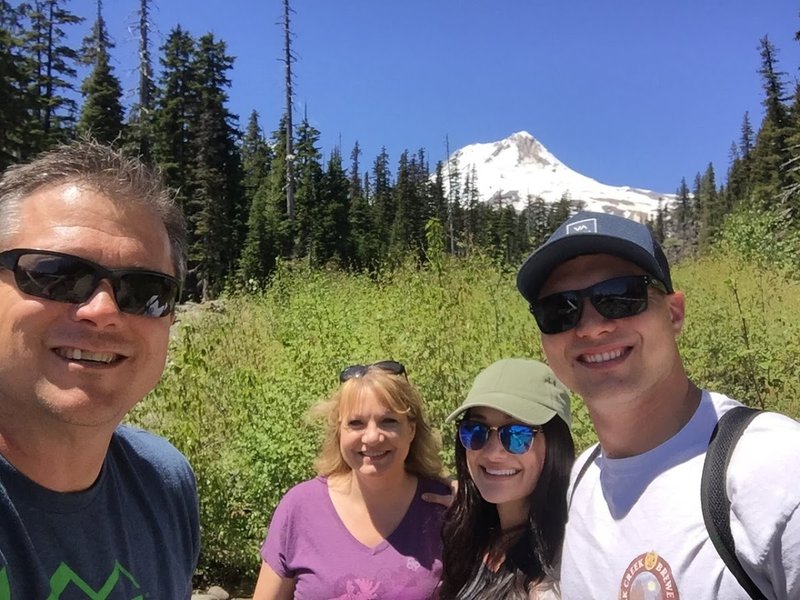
309, 542
134, 534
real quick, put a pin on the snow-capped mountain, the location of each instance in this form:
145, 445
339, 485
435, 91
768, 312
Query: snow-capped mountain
519, 167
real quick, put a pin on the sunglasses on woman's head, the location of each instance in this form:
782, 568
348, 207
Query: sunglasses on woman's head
516, 438
392, 366
66, 278
613, 298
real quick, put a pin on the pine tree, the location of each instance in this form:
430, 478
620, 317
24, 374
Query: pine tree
437, 205
535, 220
216, 211
475, 224
770, 153
15, 101
332, 225
681, 218
402, 234
740, 184
256, 158
363, 246
102, 113
559, 212
382, 201
53, 68
455, 214
711, 210
269, 231
176, 108
308, 190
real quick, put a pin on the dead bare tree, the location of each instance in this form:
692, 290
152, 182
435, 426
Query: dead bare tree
288, 60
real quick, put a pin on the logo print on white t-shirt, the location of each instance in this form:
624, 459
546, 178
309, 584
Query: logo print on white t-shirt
648, 577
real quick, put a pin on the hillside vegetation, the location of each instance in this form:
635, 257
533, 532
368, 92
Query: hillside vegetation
240, 378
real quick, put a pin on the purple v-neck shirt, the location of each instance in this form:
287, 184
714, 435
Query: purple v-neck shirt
308, 541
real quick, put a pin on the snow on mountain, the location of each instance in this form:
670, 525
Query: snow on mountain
519, 167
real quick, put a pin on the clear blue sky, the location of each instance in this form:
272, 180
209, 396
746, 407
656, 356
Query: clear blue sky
629, 92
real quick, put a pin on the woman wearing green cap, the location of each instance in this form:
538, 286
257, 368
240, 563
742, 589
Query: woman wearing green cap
504, 530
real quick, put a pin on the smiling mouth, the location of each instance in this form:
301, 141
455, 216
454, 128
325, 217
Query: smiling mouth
500, 472
85, 356
374, 455
602, 357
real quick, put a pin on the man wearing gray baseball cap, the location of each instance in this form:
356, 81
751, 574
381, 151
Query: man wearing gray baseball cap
601, 293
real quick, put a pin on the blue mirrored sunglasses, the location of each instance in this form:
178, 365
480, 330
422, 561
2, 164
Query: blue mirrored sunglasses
516, 438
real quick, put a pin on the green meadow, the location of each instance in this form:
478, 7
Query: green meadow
243, 372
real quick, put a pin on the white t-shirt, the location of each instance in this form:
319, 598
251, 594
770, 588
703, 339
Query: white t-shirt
636, 529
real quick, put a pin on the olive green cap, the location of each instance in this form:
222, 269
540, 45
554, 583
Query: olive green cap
522, 388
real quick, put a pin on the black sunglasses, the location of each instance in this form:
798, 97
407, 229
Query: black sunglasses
613, 298
516, 438
392, 366
67, 278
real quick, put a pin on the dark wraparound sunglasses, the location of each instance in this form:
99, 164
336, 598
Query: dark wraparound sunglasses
516, 438
392, 366
67, 278
613, 298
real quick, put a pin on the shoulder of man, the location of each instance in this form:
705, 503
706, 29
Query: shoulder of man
761, 481
766, 458
148, 452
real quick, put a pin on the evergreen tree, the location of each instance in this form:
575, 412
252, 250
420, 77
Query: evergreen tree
269, 231
681, 218
455, 213
534, 218
217, 210
559, 212
256, 158
475, 213
770, 153
53, 72
308, 191
746, 137
356, 186
437, 204
102, 113
711, 210
15, 101
333, 225
660, 222
402, 234
382, 201
176, 110
363, 245
410, 202
739, 184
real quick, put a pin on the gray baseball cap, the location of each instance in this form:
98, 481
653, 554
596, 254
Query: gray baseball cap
593, 233
522, 388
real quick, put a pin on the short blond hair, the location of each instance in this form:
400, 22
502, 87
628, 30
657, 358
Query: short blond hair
398, 394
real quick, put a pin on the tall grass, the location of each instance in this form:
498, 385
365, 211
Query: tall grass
240, 379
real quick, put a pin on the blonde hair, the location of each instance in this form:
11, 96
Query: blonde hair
397, 394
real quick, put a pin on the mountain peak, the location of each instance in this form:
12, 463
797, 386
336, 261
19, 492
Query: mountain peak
519, 168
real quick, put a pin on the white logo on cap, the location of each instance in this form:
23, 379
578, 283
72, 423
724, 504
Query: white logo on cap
584, 226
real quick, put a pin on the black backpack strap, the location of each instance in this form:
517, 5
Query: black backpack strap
592, 456
714, 495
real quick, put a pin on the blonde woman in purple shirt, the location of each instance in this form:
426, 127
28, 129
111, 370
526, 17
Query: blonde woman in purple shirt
360, 529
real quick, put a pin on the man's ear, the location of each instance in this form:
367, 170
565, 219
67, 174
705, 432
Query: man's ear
676, 304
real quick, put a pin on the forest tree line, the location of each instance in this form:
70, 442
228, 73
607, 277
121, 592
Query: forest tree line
231, 183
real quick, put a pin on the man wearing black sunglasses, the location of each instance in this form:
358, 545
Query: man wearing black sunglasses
92, 250
601, 293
